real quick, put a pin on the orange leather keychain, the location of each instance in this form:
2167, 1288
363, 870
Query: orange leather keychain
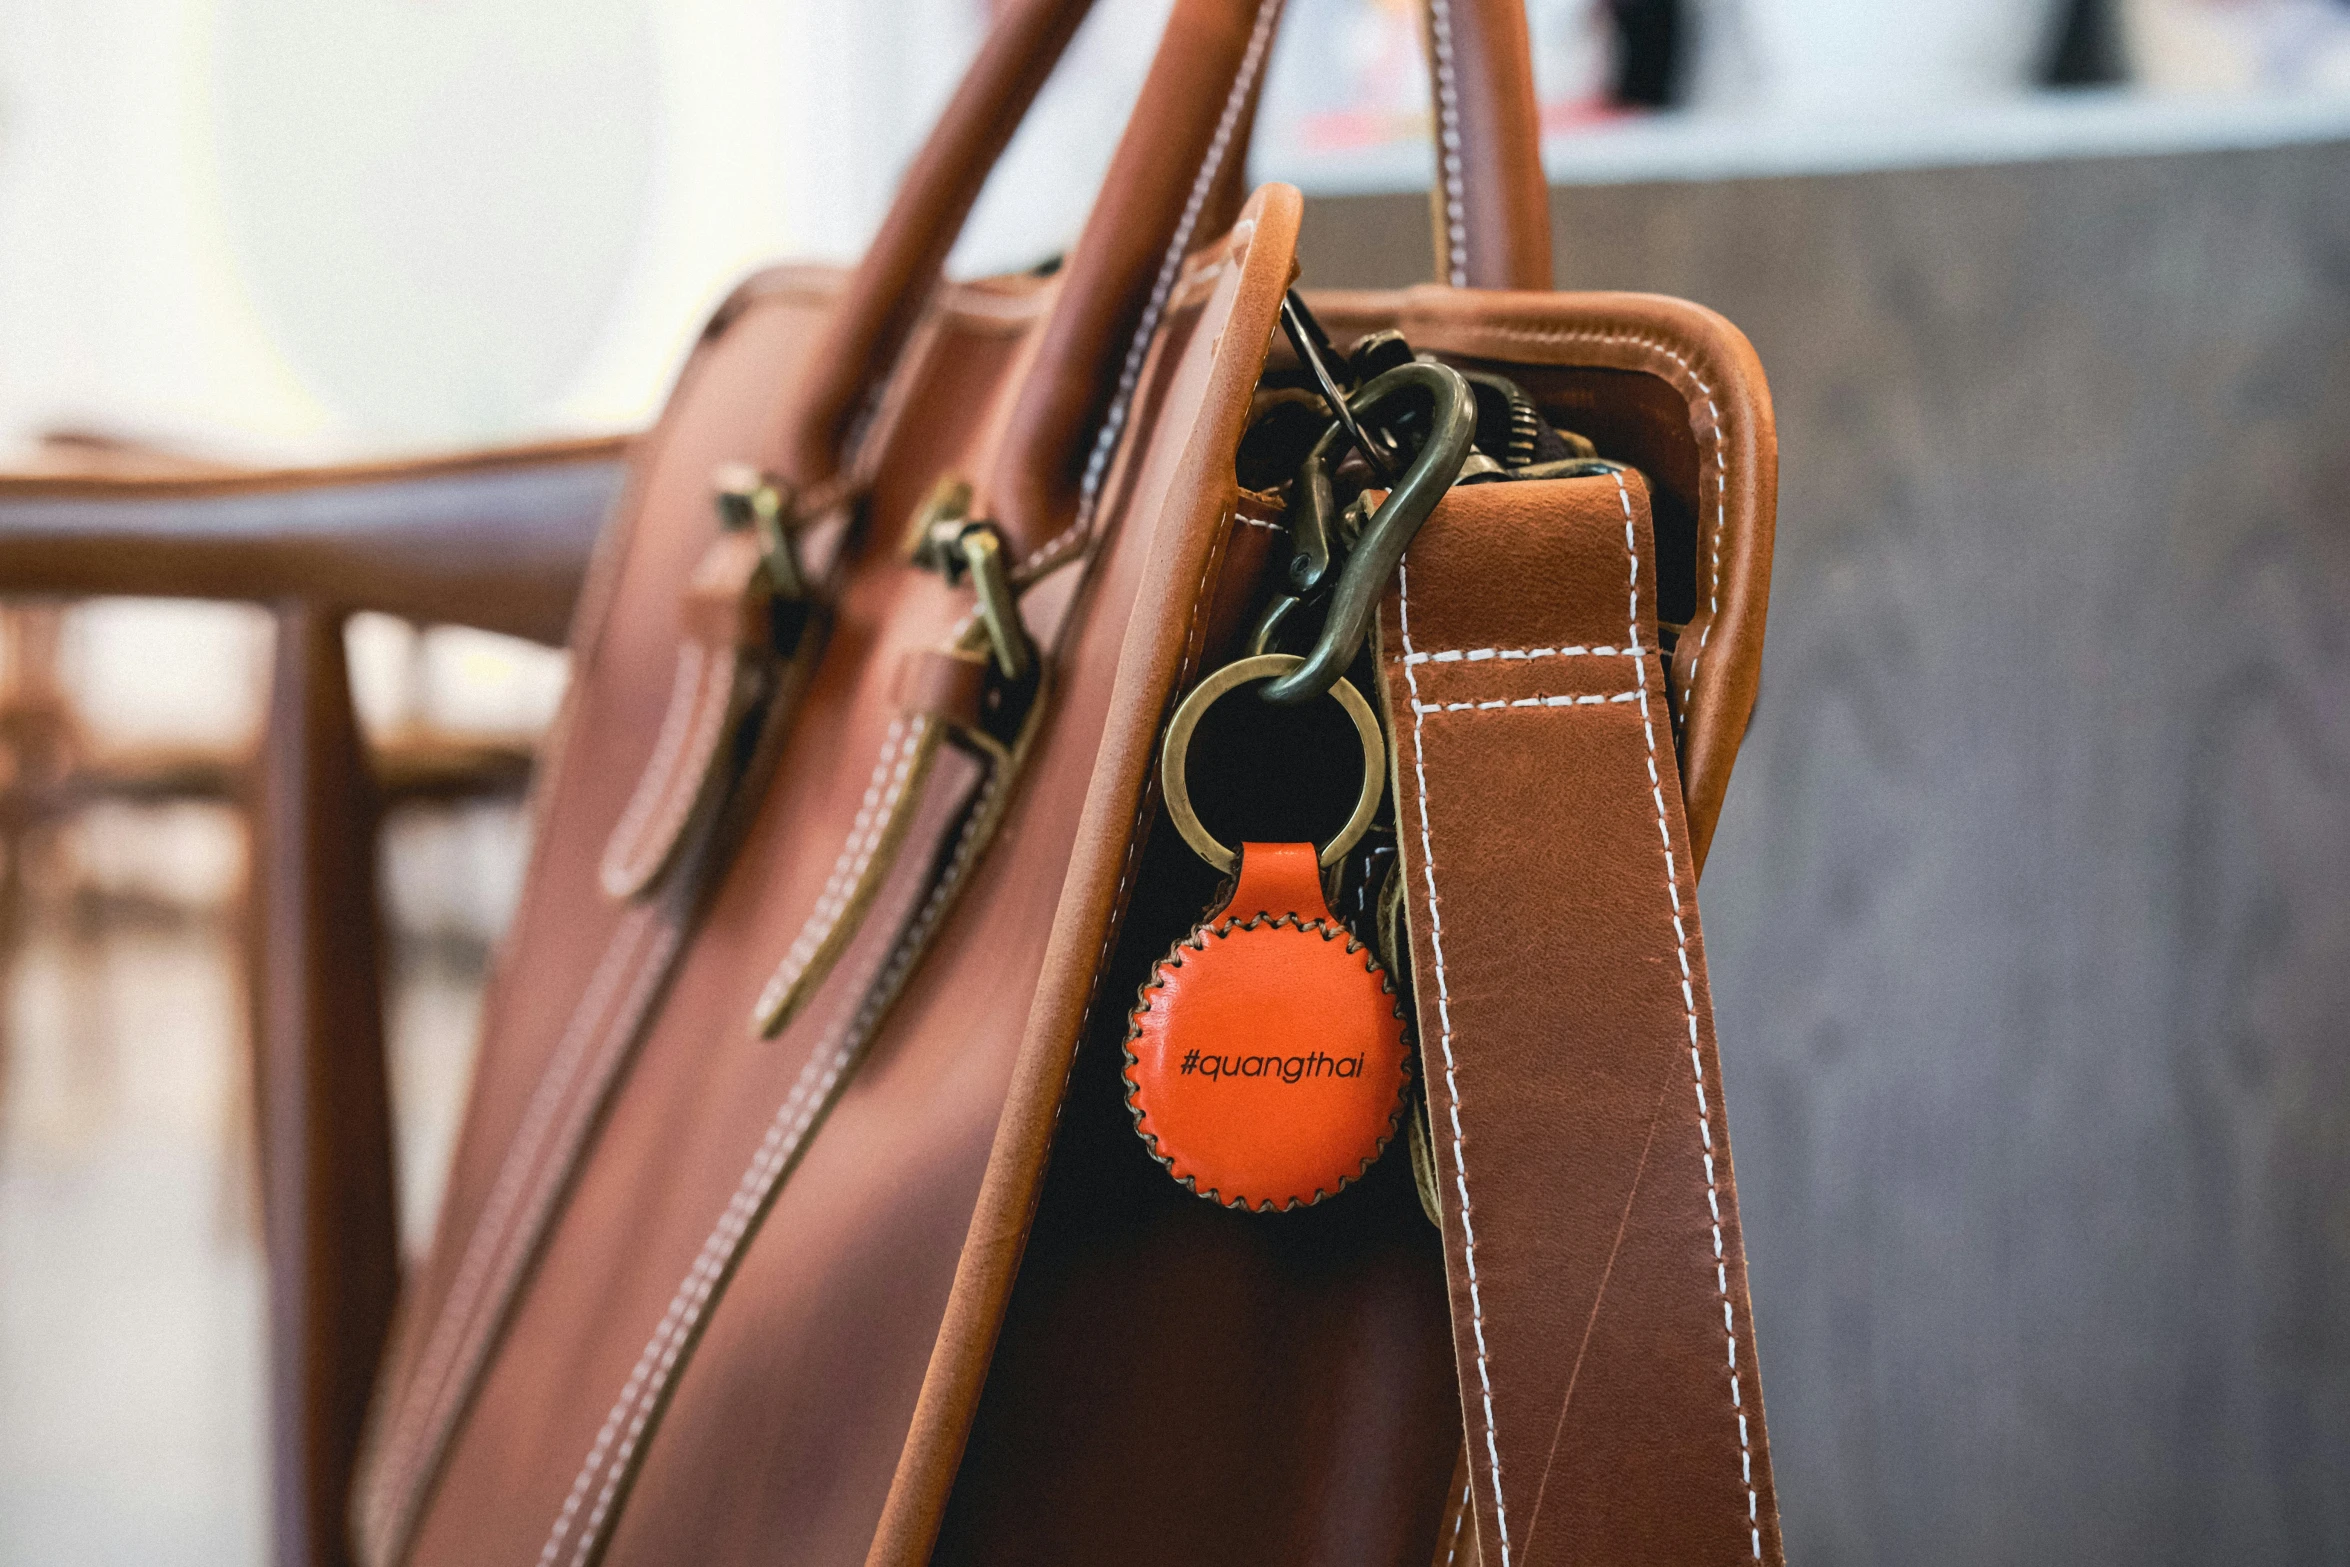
1266, 1065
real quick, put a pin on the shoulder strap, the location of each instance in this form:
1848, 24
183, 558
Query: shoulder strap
1602, 1332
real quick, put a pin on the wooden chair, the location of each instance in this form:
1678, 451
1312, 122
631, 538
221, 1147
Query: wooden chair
498, 540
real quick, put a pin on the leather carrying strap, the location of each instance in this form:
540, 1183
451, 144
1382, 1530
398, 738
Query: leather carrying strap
891, 285
1602, 1331
1068, 418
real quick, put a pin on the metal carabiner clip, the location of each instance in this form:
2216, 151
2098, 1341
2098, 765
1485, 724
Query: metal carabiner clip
1317, 530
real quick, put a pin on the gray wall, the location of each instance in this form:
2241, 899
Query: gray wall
2030, 913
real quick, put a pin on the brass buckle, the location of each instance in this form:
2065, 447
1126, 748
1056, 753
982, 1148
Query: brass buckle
762, 503
947, 540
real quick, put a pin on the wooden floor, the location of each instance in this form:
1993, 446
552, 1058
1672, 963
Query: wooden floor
2030, 913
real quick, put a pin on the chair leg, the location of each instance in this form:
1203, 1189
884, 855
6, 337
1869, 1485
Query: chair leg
325, 1118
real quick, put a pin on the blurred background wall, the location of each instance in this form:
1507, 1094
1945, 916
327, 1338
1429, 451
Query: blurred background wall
2025, 912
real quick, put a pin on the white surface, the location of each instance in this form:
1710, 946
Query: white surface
277, 230
132, 1407
2084, 123
2237, 45
133, 1411
1863, 54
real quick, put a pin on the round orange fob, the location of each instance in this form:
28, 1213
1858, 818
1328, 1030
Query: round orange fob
1266, 1066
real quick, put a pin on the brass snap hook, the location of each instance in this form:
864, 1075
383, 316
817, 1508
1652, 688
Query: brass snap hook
1177, 787
1354, 599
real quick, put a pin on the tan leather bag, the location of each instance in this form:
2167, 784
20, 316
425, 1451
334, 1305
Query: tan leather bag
798, 1216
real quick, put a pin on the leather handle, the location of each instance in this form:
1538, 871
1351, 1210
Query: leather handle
1200, 90
1191, 116
885, 295
1067, 418
1491, 197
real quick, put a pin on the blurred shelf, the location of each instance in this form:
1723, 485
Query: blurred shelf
2076, 123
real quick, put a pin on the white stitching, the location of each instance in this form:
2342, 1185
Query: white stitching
1479, 655
1705, 1133
489, 1231
1525, 701
1460, 1515
865, 835
878, 802
1451, 1076
781, 1141
1105, 443
1448, 144
776, 1150
1721, 466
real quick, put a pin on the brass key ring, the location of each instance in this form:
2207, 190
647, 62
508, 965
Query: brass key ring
1264, 666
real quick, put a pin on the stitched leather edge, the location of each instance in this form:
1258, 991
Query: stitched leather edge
703, 696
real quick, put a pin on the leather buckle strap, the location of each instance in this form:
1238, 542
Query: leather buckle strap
744, 613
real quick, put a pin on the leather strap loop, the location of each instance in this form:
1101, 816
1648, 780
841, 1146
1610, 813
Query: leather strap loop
947, 687
724, 666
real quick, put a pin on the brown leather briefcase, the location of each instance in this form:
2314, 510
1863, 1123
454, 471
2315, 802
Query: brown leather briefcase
800, 1213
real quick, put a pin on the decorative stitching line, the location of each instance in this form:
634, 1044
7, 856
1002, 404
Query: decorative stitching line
1448, 142
1451, 1074
489, 1231
866, 831
1529, 701
1705, 1133
1721, 465
689, 1298
1481, 654
1105, 442
1460, 1515
784, 1136
500, 1246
